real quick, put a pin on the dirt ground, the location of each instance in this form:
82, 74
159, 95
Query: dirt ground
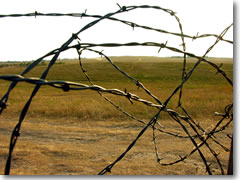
74, 147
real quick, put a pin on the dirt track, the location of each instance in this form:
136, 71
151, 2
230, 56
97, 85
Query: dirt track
72, 146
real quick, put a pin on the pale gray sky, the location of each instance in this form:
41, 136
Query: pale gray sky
28, 38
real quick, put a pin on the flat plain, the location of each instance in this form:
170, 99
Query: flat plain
79, 133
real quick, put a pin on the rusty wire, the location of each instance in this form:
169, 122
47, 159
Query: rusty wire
200, 133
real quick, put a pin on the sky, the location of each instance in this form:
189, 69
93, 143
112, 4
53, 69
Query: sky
28, 38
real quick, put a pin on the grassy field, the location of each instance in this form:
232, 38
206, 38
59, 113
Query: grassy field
78, 132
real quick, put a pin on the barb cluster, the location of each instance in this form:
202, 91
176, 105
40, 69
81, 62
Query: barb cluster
200, 136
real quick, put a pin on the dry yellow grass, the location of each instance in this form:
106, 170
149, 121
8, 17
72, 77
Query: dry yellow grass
79, 133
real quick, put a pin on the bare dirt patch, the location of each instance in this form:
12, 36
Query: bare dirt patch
62, 147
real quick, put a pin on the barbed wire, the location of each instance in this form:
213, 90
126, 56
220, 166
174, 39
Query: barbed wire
200, 136
129, 23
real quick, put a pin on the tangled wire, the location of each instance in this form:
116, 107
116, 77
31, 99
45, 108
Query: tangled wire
200, 133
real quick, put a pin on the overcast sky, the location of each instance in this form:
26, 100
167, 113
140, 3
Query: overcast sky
28, 38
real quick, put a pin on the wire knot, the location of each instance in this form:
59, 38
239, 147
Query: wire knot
17, 134
219, 68
3, 105
195, 37
75, 36
138, 84
128, 96
133, 25
108, 169
84, 14
78, 47
35, 14
124, 8
162, 46
172, 13
65, 88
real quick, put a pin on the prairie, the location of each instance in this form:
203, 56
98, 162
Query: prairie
79, 133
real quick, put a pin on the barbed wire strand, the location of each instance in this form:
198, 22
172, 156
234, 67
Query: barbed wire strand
129, 23
110, 166
118, 107
67, 85
16, 130
207, 135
